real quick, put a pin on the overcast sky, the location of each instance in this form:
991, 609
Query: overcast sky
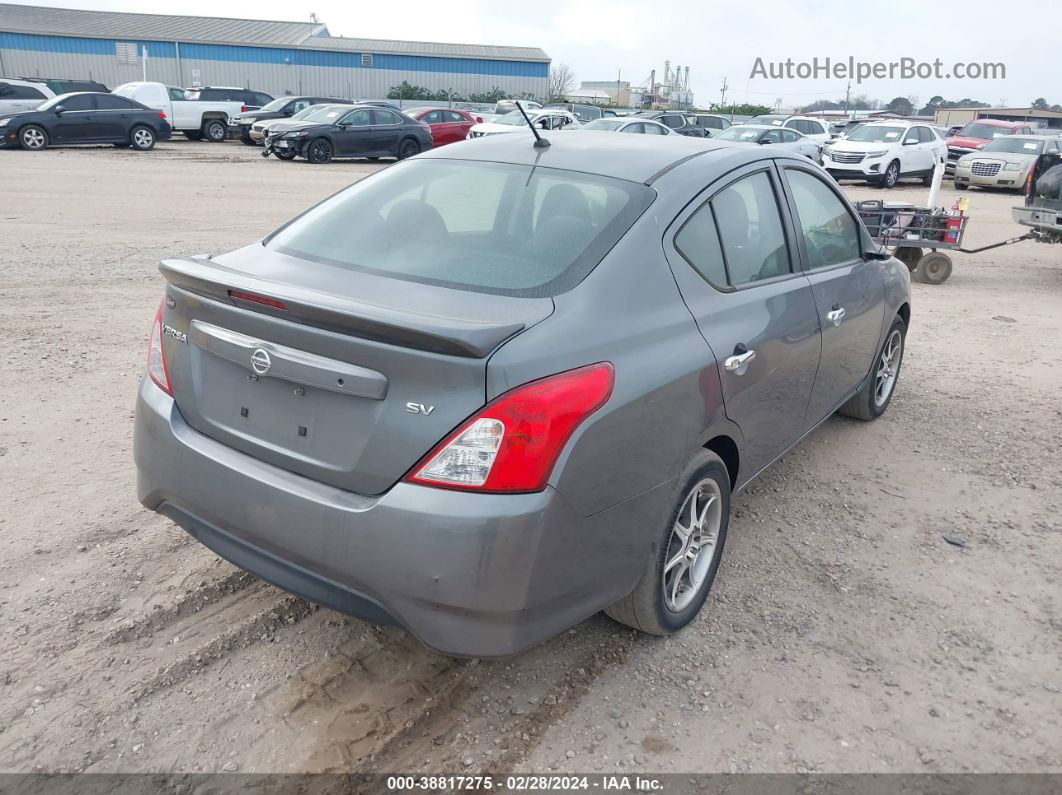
717, 40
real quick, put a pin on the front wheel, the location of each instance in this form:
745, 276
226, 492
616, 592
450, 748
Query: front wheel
684, 557
142, 138
408, 148
872, 400
33, 138
320, 151
285, 155
891, 175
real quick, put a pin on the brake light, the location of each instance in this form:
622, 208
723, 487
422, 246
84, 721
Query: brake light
257, 299
243, 108
156, 364
512, 444
162, 115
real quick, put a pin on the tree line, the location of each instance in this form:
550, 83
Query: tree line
909, 106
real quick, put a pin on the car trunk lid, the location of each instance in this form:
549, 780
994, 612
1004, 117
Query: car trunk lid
347, 381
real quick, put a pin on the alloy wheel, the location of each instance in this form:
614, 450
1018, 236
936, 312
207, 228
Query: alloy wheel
892, 175
692, 546
33, 139
888, 368
142, 139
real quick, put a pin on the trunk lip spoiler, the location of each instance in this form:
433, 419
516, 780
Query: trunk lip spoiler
411, 329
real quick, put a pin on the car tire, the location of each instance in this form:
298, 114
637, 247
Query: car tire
320, 151
892, 175
285, 155
870, 402
934, 268
927, 179
408, 148
247, 140
33, 138
193, 135
142, 138
215, 130
961, 187
909, 256
667, 598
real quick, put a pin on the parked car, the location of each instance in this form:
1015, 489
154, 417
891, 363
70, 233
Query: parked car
779, 137
344, 131
283, 108
977, 134
509, 105
711, 123
583, 113
1043, 198
673, 119
197, 119
21, 95
250, 100
381, 103
514, 122
321, 113
883, 153
496, 388
814, 128
85, 118
62, 85
626, 125
447, 125
1004, 162
846, 128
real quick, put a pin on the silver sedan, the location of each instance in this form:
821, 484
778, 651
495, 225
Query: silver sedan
780, 137
629, 125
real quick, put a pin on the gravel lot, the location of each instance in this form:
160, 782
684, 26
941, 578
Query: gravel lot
844, 633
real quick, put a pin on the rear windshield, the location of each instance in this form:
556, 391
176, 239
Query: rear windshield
975, 130
486, 227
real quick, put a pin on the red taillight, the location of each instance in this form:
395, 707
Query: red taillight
479, 119
243, 108
156, 364
512, 444
162, 115
257, 299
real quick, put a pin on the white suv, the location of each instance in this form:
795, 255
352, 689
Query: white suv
18, 96
884, 152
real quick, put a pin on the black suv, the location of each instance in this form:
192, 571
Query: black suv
240, 124
252, 100
86, 118
678, 122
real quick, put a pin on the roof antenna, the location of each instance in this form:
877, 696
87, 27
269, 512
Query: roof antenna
540, 142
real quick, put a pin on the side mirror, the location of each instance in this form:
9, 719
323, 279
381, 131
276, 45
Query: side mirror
59, 110
876, 254
289, 112
765, 141
910, 142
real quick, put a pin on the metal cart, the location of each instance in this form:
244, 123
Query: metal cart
908, 231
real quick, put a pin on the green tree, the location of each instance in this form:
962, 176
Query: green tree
900, 105
743, 109
1040, 103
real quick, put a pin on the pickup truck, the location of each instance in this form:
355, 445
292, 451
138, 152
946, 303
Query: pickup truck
1043, 198
197, 119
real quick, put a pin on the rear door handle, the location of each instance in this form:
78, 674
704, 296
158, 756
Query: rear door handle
836, 316
739, 363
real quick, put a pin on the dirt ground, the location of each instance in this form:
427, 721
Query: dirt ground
844, 633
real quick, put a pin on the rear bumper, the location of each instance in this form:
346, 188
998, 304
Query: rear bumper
467, 574
1042, 218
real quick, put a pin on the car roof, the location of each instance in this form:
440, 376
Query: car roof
635, 158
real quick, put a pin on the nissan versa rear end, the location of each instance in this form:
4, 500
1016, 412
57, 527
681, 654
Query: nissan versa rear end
470, 395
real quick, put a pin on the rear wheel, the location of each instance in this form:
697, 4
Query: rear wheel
909, 256
408, 148
684, 557
142, 138
872, 400
33, 138
320, 151
934, 268
214, 130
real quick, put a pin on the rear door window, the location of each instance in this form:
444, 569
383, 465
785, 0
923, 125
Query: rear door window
111, 102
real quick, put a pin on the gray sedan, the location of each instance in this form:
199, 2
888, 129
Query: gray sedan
490, 391
637, 126
778, 137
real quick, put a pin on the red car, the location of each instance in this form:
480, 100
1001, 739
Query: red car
447, 125
978, 133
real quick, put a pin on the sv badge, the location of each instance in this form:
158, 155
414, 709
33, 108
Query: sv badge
419, 408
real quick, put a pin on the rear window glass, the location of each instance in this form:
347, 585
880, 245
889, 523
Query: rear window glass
486, 227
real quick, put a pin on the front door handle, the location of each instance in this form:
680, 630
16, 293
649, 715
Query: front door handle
739, 362
836, 315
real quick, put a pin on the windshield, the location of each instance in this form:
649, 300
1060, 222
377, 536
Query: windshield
486, 227
1019, 146
602, 124
774, 121
322, 113
976, 130
51, 103
276, 104
876, 135
515, 117
126, 90
739, 134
